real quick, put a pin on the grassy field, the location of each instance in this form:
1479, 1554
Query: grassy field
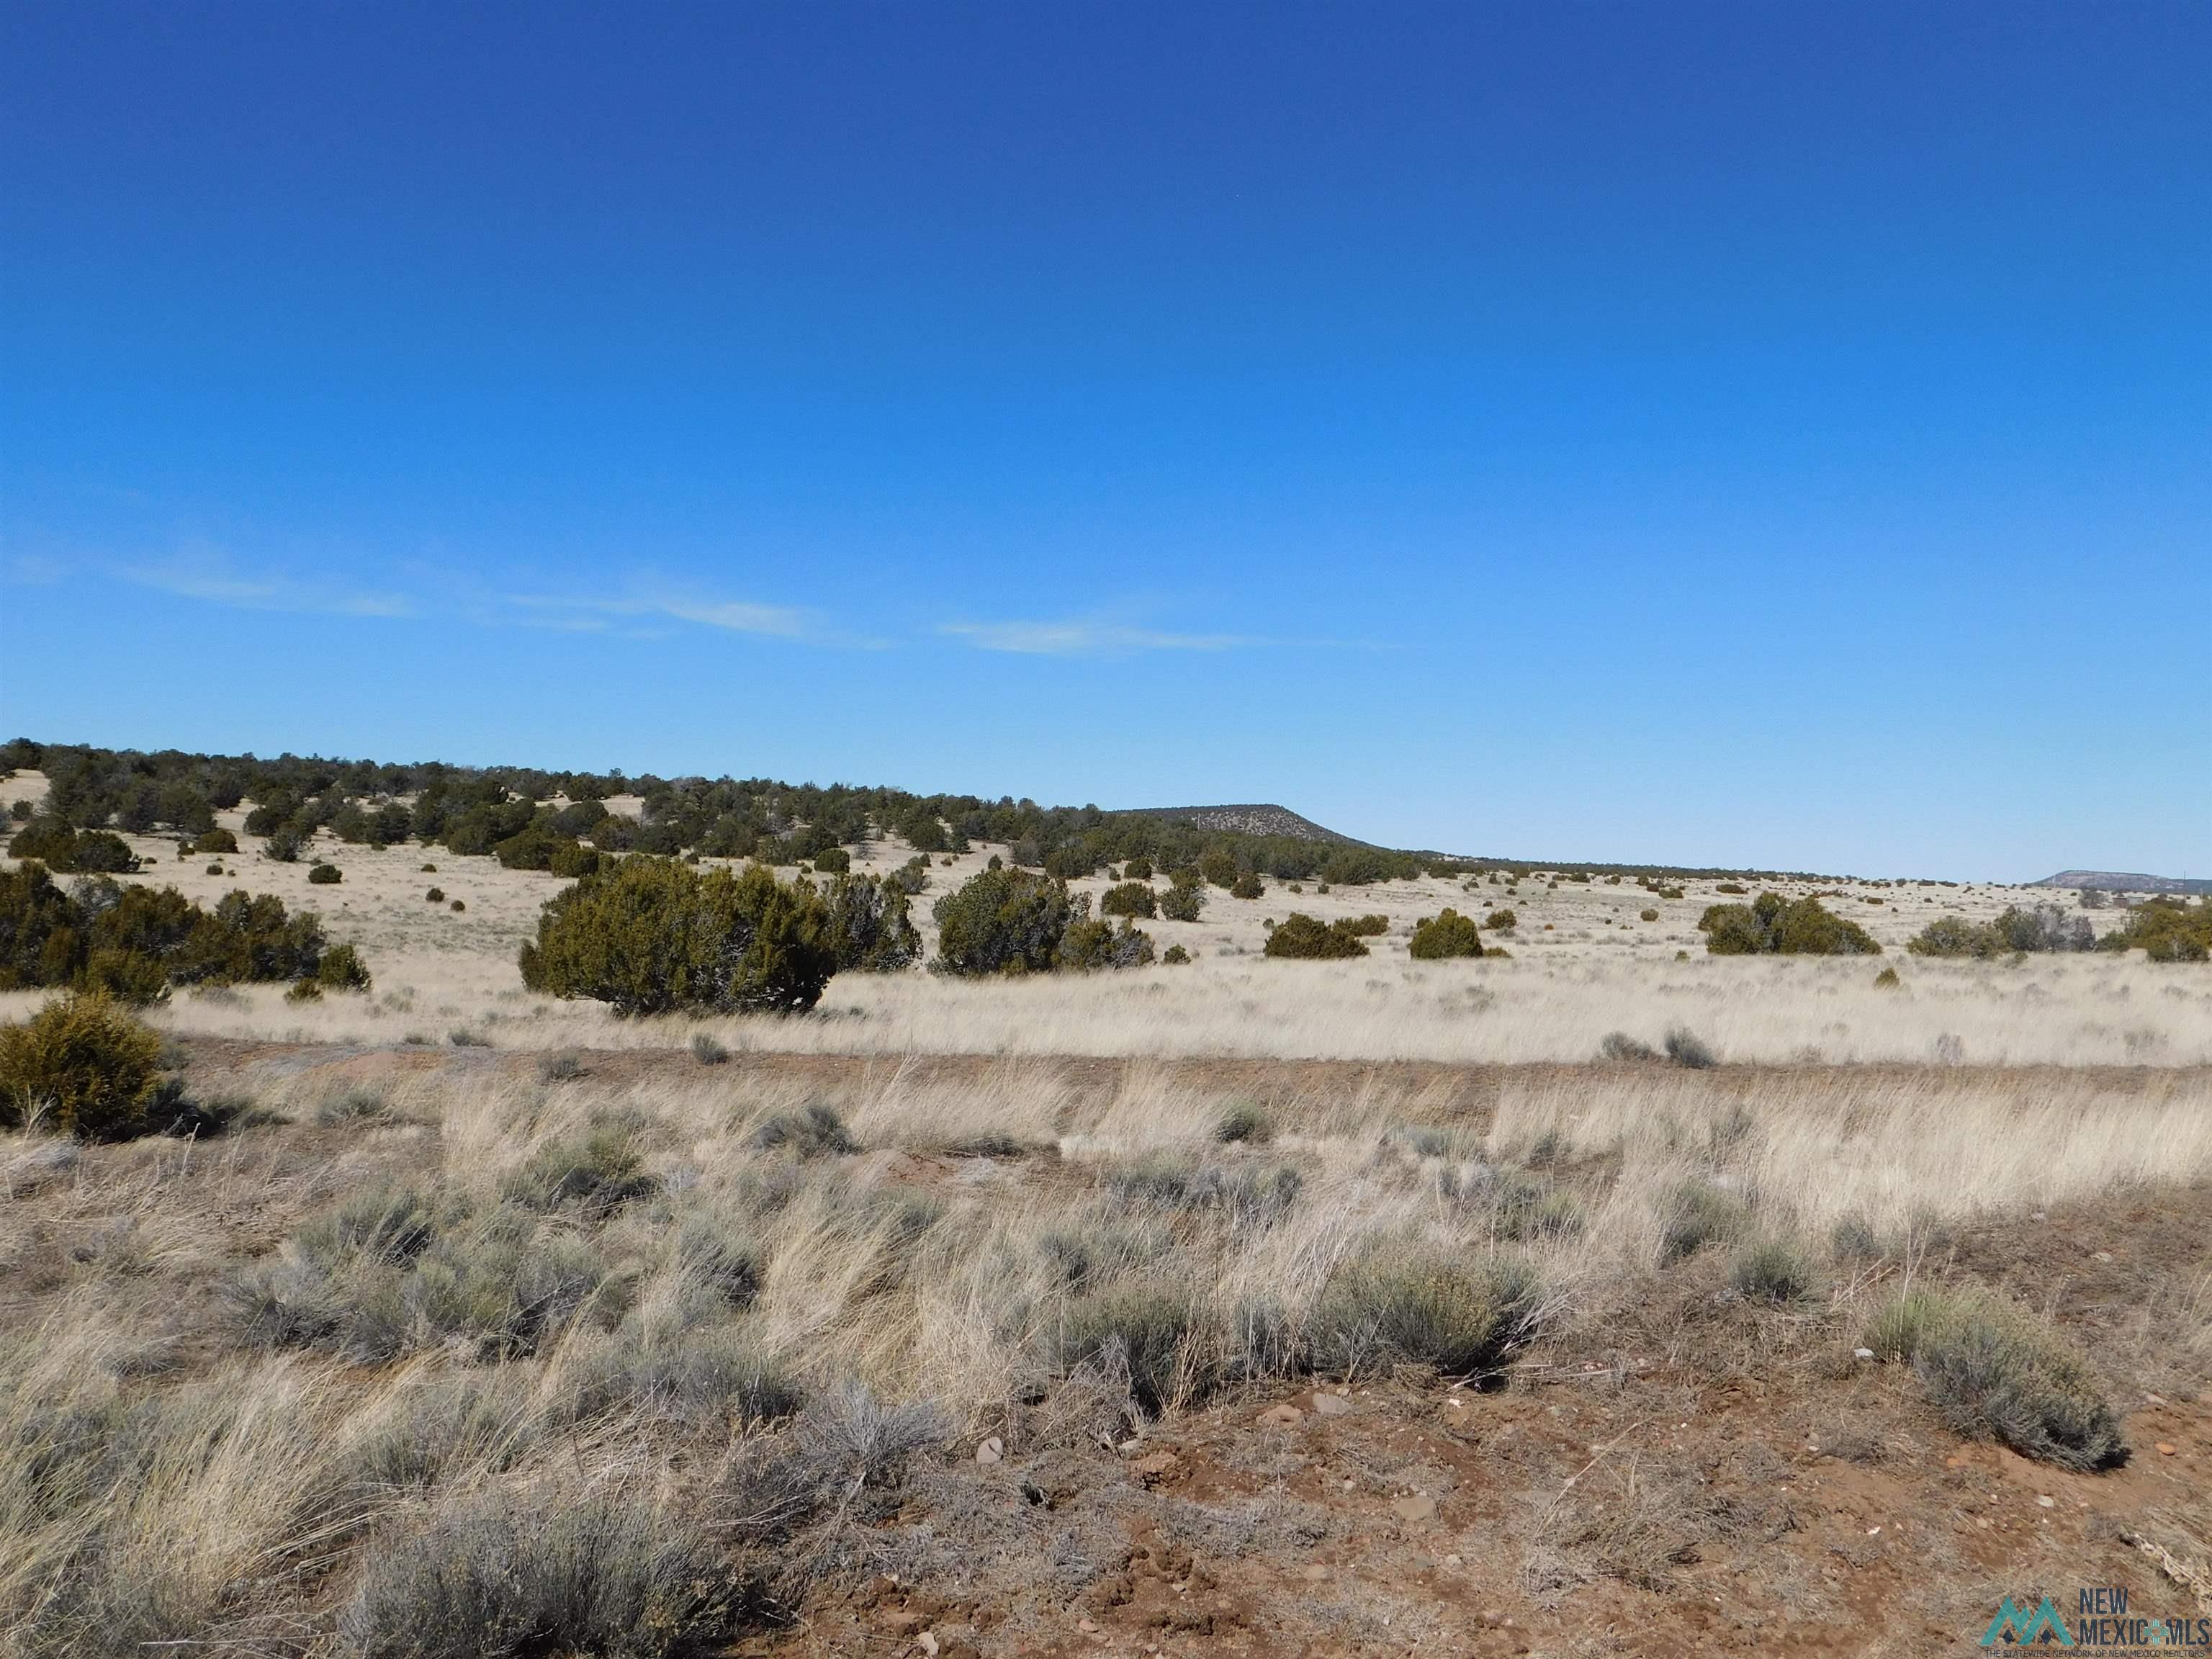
1248, 1307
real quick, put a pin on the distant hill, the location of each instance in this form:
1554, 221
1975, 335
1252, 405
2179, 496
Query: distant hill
1264, 819
2116, 881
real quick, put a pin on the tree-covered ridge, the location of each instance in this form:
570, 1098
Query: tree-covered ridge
533, 819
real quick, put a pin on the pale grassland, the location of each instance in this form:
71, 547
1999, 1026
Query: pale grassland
2076, 1011
207, 1505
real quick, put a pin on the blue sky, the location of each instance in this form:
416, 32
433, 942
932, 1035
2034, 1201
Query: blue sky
1732, 434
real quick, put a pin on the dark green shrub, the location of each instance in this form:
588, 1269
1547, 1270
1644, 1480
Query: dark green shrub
2167, 930
1218, 868
571, 860
1137, 870
83, 852
83, 1065
1131, 898
1501, 921
1619, 1047
1685, 1048
325, 875
1090, 944
215, 841
869, 927
1182, 902
341, 969
1247, 886
651, 936
1175, 956
1955, 936
1367, 927
1729, 887
1647, 916
457, 906
1422, 1304
1450, 934
1770, 925
707, 1050
833, 861
1995, 1371
1002, 922
1304, 937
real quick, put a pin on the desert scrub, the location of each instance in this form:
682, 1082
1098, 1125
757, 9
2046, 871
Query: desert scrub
1772, 1271
1501, 921
600, 1170
1248, 885
1687, 1048
653, 935
870, 930
1184, 901
1422, 1304
1130, 898
708, 1049
1451, 934
1002, 922
704, 1378
1697, 1214
83, 1065
325, 875
1618, 1047
1244, 1122
1770, 925
1088, 945
1148, 1331
521, 1570
1302, 936
816, 1132
1370, 926
1998, 1372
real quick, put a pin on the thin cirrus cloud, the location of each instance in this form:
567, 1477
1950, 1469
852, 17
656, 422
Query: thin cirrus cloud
217, 580
214, 578
1083, 639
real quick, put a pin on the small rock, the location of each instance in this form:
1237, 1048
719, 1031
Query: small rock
1331, 1405
1088, 1626
991, 1450
1453, 1561
1155, 1465
926, 1642
1314, 1574
2046, 1503
1415, 1508
2102, 1256
2165, 1449
1862, 1354
1954, 1462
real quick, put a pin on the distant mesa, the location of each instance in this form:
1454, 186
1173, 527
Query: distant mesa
2119, 881
1266, 819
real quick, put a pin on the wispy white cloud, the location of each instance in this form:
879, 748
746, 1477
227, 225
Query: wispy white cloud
1085, 638
203, 573
591, 612
211, 576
